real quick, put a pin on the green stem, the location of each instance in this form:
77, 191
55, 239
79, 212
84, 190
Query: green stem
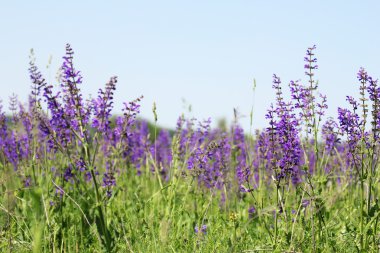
276, 217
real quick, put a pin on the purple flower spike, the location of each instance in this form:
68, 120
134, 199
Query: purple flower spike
203, 229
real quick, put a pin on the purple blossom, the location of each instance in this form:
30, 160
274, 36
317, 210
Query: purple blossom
283, 132
109, 182
27, 181
161, 152
310, 64
251, 212
102, 106
330, 135
69, 175
243, 170
202, 230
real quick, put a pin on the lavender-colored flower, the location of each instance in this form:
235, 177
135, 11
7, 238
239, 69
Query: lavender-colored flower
109, 180
59, 192
161, 152
350, 125
202, 230
311, 65
130, 112
305, 203
102, 106
81, 164
38, 82
330, 135
362, 75
12, 149
289, 141
374, 96
69, 175
27, 181
251, 211
243, 170
283, 132
72, 97
322, 106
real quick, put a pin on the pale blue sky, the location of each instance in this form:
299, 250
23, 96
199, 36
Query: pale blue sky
207, 52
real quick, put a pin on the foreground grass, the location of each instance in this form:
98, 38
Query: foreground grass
147, 217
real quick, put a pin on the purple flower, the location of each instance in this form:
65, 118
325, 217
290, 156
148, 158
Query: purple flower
330, 135
102, 106
283, 132
362, 75
202, 230
27, 181
251, 211
242, 168
161, 152
305, 203
310, 64
81, 164
69, 174
109, 180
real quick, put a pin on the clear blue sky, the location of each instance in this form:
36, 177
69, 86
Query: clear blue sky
207, 52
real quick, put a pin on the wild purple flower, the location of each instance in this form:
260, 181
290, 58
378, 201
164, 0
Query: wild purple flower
311, 65
303, 99
59, 192
137, 143
130, 112
3, 124
102, 106
13, 104
264, 150
322, 106
27, 181
374, 96
188, 138
352, 102
283, 132
81, 164
277, 87
218, 171
271, 116
350, 125
330, 135
69, 175
72, 97
12, 149
57, 128
204, 164
202, 230
197, 159
26, 120
362, 75
88, 176
38, 82
180, 123
109, 182
305, 203
287, 131
203, 130
251, 211
243, 170
161, 152
212, 172
272, 153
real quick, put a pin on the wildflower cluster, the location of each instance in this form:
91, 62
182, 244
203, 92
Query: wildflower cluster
94, 180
